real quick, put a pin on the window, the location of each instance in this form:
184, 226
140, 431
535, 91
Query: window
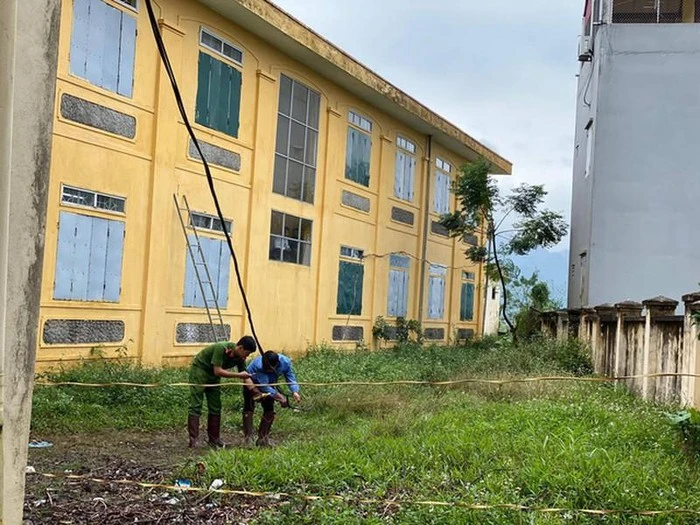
290, 239
129, 3
359, 149
88, 258
218, 86
436, 291
397, 304
297, 141
466, 303
441, 200
103, 46
220, 46
218, 260
350, 281
405, 169
91, 199
208, 222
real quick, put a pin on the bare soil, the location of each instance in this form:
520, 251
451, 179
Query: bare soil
153, 457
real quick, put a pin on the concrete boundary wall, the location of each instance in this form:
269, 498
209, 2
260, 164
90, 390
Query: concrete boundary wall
633, 339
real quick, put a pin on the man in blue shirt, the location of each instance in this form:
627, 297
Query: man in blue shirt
266, 370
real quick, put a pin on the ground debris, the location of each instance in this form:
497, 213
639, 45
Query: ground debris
153, 459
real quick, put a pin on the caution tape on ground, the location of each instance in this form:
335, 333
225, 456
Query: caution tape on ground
378, 383
375, 501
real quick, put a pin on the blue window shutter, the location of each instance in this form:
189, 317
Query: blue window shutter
442, 298
65, 255
394, 292
96, 41
212, 252
224, 272
399, 175
113, 263
127, 56
191, 285
350, 169
217, 117
403, 305
79, 38
81, 265
109, 78
411, 166
97, 259
350, 284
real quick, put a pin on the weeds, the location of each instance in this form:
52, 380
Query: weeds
566, 445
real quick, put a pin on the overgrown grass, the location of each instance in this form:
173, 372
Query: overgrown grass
569, 445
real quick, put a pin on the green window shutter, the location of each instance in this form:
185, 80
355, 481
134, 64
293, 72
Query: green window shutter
201, 114
234, 105
350, 277
466, 310
218, 95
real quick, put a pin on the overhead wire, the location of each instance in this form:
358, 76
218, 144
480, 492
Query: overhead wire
183, 113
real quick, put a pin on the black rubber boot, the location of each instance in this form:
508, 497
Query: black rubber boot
193, 430
264, 430
248, 428
214, 431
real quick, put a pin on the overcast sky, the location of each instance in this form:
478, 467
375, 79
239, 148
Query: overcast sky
504, 71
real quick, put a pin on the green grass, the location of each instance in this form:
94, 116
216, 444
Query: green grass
570, 445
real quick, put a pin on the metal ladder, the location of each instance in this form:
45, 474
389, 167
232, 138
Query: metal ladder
199, 262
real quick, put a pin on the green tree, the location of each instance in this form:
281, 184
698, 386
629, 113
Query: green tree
483, 209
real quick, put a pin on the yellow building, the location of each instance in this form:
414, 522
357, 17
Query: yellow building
332, 180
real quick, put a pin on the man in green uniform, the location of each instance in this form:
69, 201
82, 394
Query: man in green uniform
208, 367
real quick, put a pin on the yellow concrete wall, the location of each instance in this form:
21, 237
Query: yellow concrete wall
293, 305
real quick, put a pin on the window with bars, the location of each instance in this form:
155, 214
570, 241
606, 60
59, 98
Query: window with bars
405, 169
296, 148
436, 291
290, 239
103, 45
218, 85
359, 149
208, 222
397, 299
351, 273
92, 199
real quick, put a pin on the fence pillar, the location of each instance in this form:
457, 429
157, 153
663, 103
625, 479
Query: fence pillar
574, 316
690, 390
548, 325
589, 329
562, 325
650, 359
624, 309
607, 326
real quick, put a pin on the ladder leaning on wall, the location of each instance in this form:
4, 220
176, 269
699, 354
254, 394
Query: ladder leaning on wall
201, 271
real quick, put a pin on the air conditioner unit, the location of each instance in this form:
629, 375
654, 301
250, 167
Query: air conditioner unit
585, 50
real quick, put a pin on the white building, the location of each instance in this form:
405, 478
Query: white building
636, 179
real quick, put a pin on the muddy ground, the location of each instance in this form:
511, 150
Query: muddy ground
154, 457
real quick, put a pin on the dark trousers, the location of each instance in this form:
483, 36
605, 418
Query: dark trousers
267, 403
198, 393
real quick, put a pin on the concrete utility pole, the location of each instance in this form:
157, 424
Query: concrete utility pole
28, 54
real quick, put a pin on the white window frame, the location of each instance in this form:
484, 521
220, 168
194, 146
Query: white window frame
359, 121
406, 144
211, 219
468, 276
126, 4
355, 254
443, 165
95, 195
219, 52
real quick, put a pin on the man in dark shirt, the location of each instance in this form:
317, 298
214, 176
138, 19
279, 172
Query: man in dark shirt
208, 367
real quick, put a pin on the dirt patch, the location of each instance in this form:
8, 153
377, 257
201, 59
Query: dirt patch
153, 457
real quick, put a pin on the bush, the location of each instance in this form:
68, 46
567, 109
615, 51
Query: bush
569, 356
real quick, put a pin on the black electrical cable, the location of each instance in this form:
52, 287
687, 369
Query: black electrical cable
178, 99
